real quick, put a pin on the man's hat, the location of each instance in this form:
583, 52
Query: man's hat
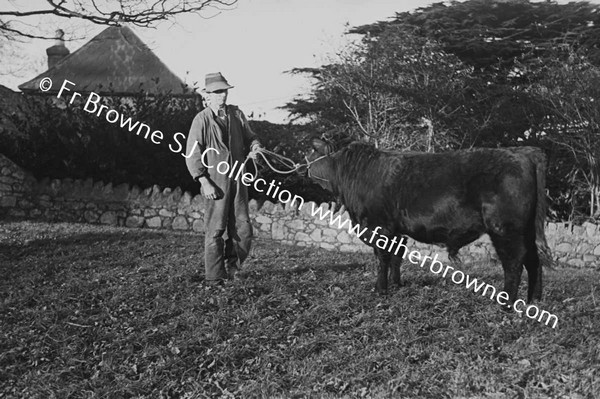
214, 82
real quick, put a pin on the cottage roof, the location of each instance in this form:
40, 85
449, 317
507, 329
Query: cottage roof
115, 62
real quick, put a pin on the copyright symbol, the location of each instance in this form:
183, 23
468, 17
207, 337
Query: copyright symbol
45, 84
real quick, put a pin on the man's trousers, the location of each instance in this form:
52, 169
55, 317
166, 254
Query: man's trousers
228, 231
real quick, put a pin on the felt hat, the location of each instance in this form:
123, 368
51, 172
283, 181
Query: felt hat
214, 82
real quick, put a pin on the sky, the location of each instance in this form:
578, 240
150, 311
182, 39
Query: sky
253, 44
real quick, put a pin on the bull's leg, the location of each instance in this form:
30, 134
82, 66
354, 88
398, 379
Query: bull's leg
382, 274
395, 263
455, 260
511, 250
534, 273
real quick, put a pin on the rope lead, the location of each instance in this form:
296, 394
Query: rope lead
293, 167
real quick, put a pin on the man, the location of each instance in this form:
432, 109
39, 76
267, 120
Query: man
225, 132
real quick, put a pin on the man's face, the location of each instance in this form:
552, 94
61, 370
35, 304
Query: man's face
218, 98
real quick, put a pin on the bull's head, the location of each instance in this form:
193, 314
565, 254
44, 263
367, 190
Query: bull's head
320, 161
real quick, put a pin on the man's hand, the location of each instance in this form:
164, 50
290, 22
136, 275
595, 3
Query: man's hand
256, 148
209, 189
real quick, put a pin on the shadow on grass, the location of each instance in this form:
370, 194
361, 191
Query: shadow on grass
83, 252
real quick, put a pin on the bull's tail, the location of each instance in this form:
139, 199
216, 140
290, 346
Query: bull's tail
544, 252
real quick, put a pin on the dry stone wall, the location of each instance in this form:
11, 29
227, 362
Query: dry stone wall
22, 196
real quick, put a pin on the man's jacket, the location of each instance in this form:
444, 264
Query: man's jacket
206, 133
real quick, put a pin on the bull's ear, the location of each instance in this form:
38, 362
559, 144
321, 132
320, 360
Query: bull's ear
321, 146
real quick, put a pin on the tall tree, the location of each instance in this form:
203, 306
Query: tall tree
508, 44
570, 94
398, 91
502, 40
474, 72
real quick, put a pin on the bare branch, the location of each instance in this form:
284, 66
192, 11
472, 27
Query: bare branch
13, 34
139, 13
356, 116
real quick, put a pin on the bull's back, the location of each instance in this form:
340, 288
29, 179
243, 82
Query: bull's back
443, 197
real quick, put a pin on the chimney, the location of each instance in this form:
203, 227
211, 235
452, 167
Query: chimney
57, 52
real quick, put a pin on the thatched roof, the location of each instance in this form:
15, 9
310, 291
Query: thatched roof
115, 62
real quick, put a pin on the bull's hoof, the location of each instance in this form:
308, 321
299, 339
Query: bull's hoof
381, 291
535, 298
396, 285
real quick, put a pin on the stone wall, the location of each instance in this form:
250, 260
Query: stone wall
22, 196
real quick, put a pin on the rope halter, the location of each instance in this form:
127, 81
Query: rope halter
293, 167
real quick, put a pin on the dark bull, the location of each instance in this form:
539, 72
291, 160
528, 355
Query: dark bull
447, 199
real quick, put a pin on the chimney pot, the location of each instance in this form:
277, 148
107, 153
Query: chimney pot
59, 36
59, 51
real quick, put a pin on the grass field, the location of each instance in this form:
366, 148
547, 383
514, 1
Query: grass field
97, 312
